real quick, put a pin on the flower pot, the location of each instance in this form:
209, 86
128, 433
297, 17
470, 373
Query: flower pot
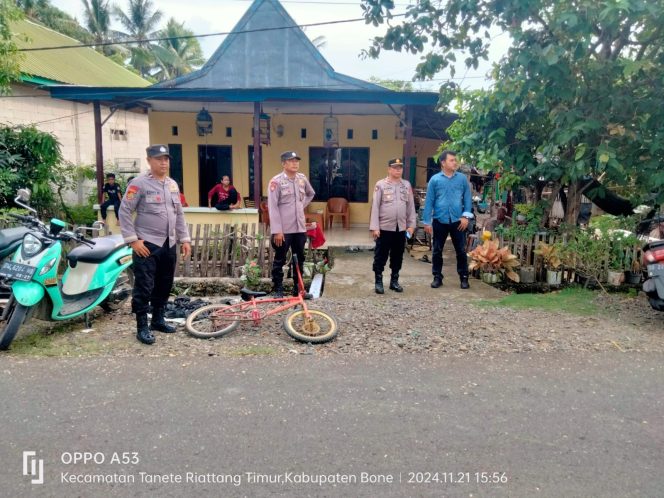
633, 277
527, 274
615, 278
554, 277
490, 278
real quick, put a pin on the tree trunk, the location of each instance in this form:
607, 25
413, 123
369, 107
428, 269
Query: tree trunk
547, 212
573, 203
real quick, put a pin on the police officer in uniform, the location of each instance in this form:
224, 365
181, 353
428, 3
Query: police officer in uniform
392, 215
159, 224
289, 194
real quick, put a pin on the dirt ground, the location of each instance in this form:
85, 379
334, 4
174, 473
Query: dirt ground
420, 320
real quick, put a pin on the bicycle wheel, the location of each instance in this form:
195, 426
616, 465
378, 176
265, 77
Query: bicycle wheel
15, 319
210, 321
321, 327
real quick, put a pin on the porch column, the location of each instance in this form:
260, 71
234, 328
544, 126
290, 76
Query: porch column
408, 147
99, 151
257, 155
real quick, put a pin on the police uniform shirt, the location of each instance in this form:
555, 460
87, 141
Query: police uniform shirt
286, 201
393, 206
158, 211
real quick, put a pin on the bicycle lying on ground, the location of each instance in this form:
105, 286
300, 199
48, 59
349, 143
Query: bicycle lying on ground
306, 325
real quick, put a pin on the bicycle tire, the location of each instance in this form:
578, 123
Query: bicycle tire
300, 332
13, 324
195, 322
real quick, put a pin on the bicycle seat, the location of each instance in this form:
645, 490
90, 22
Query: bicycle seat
247, 294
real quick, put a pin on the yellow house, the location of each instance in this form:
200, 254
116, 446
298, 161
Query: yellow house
266, 90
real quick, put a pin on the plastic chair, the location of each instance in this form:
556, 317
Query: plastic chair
337, 207
249, 202
265, 213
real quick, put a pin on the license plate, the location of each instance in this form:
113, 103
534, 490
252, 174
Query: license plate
17, 271
656, 269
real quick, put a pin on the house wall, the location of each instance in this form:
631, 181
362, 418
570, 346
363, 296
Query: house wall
380, 150
73, 125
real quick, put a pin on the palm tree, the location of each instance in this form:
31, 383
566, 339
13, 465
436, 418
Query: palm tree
140, 22
176, 55
97, 17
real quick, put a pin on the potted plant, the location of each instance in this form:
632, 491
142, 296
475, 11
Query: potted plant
494, 261
552, 257
588, 254
251, 275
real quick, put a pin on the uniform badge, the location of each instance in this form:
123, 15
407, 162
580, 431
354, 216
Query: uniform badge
273, 186
131, 192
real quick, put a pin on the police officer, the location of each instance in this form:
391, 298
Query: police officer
159, 224
392, 215
290, 193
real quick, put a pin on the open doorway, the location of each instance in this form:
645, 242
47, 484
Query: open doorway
214, 161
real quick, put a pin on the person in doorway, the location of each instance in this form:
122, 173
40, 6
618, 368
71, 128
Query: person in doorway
392, 216
447, 211
289, 194
113, 195
152, 235
227, 196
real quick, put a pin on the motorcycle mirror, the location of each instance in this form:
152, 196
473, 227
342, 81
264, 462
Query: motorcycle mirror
98, 225
24, 194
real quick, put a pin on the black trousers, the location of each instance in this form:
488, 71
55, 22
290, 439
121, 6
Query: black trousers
153, 277
295, 242
104, 208
440, 233
390, 244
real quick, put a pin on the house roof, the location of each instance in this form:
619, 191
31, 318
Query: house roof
75, 66
267, 49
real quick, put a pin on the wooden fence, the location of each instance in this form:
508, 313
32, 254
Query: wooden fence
222, 250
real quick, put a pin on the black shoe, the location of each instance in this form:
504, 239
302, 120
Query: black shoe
437, 282
158, 322
143, 333
464, 283
394, 283
378, 287
278, 291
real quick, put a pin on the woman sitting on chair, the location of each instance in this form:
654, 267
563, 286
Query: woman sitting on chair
227, 196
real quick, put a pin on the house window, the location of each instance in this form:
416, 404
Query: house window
349, 134
175, 169
118, 134
174, 131
374, 134
303, 133
341, 172
229, 131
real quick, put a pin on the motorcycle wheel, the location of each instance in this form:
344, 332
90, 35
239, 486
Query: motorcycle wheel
124, 283
15, 318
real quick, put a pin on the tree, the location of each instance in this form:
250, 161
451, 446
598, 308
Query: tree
578, 94
97, 17
176, 55
43, 12
9, 56
140, 22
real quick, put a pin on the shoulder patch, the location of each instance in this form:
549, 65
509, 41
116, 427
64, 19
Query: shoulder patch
273, 186
131, 192
174, 187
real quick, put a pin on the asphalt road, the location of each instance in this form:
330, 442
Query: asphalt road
548, 425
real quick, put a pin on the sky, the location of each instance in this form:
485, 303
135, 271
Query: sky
344, 41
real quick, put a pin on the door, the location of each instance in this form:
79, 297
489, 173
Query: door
214, 161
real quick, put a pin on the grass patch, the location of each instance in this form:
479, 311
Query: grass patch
572, 300
253, 351
56, 342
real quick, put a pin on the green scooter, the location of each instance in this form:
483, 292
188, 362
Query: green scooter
98, 273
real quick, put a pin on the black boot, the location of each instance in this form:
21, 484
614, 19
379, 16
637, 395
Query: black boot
437, 281
464, 283
394, 283
278, 290
158, 322
379, 284
143, 333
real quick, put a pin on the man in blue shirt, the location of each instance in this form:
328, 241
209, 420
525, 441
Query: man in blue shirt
447, 211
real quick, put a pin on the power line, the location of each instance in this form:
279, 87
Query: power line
185, 37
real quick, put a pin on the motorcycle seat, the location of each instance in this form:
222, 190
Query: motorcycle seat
103, 248
10, 237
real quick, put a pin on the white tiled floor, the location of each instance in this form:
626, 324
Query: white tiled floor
355, 237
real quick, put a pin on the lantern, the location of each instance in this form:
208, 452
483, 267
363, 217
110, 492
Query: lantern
330, 131
264, 127
203, 122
